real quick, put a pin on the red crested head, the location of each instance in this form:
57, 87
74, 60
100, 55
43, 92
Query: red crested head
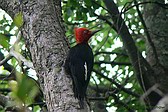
82, 35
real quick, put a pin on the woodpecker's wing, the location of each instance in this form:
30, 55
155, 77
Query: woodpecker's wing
80, 63
77, 71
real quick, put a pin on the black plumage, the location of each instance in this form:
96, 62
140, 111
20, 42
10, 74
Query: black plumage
79, 64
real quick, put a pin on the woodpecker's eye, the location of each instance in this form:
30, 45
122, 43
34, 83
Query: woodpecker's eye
85, 32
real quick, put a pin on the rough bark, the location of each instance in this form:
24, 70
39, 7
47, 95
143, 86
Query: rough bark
45, 38
157, 24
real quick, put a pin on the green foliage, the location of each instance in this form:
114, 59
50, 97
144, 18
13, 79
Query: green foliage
18, 19
24, 89
5, 28
14, 78
4, 41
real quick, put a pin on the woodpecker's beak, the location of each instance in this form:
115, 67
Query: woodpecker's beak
95, 31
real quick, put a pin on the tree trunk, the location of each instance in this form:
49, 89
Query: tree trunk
44, 35
155, 16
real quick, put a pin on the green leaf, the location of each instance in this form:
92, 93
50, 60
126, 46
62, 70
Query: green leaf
95, 6
85, 10
12, 26
4, 41
74, 2
78, 15
88, 3
27, 89
84, 16
18, 19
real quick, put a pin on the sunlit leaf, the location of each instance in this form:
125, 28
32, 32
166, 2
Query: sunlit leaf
18, 19
4, 41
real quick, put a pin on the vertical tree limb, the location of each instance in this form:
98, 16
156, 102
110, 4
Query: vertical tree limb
143, 70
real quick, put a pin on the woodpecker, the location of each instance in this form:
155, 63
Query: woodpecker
79, 63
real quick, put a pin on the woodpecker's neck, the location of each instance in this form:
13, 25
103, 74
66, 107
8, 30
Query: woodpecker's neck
84, 42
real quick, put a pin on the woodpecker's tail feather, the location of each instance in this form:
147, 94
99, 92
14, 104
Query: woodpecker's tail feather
81, 103
79, 93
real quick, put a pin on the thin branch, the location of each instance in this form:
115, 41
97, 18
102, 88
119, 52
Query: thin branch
21, 59
100, 5
106, 97
101, 17
98, 98
18, 56
104, 89
104, 52
8, 57
106, 38
117, 101
118, 85
154, 88
129, 44
77, 23
113, 63
97, 87
147, 33
165, 6
7, 66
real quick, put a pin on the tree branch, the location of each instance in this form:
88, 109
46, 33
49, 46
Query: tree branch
147, 33
141, 66
118, 85
117, 101
18, 56
113, 63
165, 6
101, 17
8, 57
104, 52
